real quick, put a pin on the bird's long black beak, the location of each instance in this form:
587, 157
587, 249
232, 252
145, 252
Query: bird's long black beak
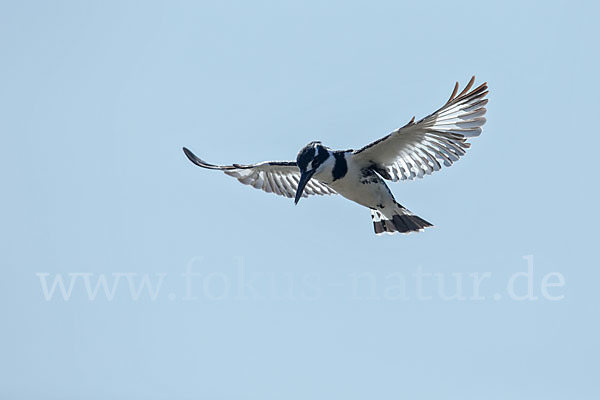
304, 178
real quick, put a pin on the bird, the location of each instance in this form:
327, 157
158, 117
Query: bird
411, 151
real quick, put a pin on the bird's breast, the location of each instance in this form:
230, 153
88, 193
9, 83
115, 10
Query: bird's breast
363, 187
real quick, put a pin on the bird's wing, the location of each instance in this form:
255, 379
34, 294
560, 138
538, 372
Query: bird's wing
279, 177
416, 149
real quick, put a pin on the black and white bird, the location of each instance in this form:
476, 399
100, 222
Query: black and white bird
412, 151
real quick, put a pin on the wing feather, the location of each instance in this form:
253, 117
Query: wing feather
418, 148
279, 177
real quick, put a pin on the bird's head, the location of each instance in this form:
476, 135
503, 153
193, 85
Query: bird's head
310, 160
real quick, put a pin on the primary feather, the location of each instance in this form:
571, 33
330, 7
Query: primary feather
419, 148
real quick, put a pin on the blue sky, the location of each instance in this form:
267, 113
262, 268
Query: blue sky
253, 297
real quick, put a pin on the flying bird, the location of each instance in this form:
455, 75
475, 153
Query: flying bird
412, 151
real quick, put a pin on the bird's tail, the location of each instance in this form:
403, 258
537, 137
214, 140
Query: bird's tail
397, 220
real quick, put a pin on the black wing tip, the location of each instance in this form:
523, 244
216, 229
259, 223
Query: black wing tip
467, 91
191, 156
196, 160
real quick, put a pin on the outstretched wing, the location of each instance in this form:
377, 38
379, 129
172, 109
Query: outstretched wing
416, 149
279, 177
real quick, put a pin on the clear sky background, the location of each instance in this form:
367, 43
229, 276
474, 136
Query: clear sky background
294, 302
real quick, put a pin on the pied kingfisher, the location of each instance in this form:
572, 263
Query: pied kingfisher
414, 150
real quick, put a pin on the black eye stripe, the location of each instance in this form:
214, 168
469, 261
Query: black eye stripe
305, 157
321, 157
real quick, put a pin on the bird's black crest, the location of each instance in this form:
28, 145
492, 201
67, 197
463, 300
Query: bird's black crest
307, 154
